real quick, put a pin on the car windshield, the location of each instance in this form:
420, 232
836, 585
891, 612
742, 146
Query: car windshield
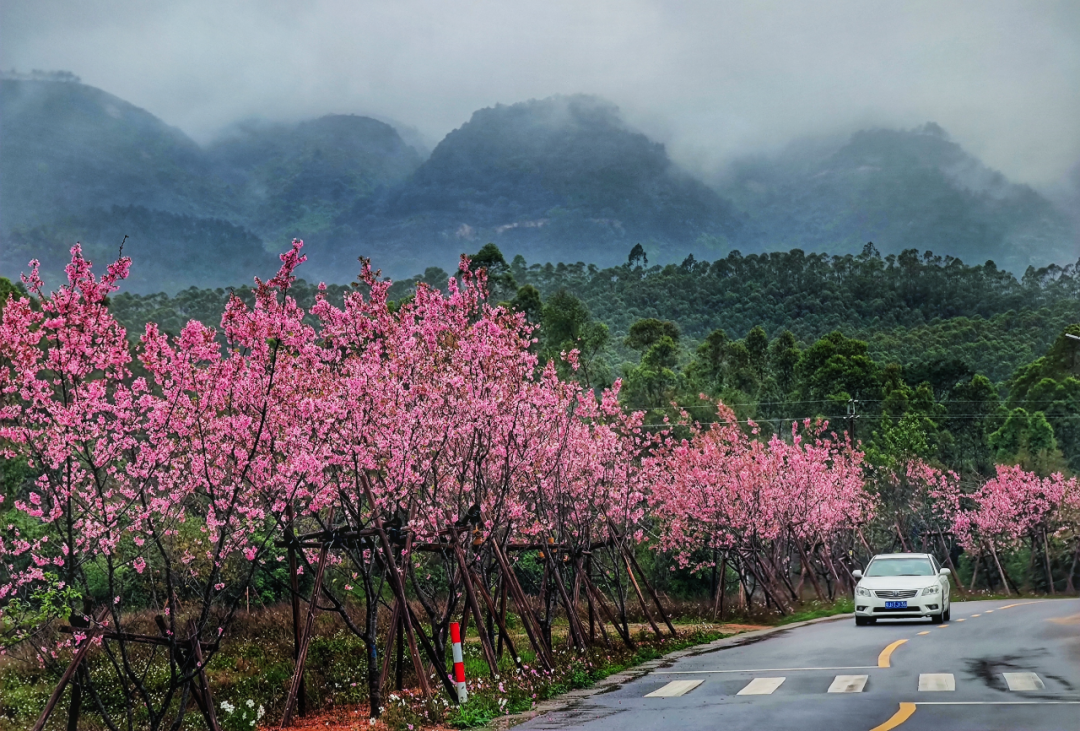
900, 567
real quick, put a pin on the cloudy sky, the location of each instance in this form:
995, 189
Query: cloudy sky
713, 79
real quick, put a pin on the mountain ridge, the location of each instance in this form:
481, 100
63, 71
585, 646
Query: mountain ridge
561, 179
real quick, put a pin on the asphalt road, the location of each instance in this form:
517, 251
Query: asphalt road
1011, 665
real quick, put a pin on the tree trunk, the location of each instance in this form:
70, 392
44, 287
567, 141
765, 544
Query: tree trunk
1001, 571
1046, 558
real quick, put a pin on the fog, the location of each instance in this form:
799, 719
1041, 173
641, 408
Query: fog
712, 79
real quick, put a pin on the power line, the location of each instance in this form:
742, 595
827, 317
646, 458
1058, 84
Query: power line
768, 419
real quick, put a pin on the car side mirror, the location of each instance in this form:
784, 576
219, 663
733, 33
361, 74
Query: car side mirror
857, 574
945, 572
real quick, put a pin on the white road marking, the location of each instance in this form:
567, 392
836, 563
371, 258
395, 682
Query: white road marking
937, 681
761, 686
1024, 681
675, 688
760, 670
848, 683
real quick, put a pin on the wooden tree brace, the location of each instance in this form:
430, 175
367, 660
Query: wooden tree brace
503, 634
58, 691
398, 588
640, 597
572, 618
598, 599
470, 596
532, 625
305, 638
648, 586
204, 685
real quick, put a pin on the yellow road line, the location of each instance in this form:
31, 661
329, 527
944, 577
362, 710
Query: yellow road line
961, 620
943, 626
906, 709
1074, 619
1021, 604
883, 658
925, 633
976, 615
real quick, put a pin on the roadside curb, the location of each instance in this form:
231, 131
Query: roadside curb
570, 698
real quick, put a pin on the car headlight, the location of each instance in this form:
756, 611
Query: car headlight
935, 589
859, 591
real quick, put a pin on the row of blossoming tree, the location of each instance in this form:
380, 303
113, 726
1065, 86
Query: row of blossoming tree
404, 462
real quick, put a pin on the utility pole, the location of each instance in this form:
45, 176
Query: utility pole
1076, 348
852, 415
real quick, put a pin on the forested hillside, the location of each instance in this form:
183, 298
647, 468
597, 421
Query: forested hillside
999, 321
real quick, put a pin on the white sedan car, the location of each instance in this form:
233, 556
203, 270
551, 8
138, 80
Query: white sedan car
901, 586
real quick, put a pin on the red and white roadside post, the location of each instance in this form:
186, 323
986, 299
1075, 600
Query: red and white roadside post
459, 663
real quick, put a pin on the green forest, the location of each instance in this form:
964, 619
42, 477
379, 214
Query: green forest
964, 365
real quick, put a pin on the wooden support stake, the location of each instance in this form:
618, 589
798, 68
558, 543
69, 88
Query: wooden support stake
952, 567
398, 588
640, 598
502, 615
439, 663
470, 596
532, 626
1004, 579
599, 600
809, 568
294, 585
503, 634
631, 559
652, 593
395, 626
71, 668
305, 638
204, 684
572, 618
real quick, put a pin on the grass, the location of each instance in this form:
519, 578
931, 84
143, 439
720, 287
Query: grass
817, 610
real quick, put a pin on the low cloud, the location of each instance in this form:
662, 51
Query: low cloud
713, 80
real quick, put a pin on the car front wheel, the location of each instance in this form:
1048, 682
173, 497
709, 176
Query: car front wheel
948, 613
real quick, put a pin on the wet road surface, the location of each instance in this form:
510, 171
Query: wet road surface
1010, 665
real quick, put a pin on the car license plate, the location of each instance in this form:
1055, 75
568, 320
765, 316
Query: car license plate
896, 605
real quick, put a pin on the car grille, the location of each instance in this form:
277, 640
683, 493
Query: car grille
905, 594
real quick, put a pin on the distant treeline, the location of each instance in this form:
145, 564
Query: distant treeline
912, 308
965, 365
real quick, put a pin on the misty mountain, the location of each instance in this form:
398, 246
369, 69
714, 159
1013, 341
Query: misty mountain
912, 189
66, 148
78, 164
560, 178
296, 180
